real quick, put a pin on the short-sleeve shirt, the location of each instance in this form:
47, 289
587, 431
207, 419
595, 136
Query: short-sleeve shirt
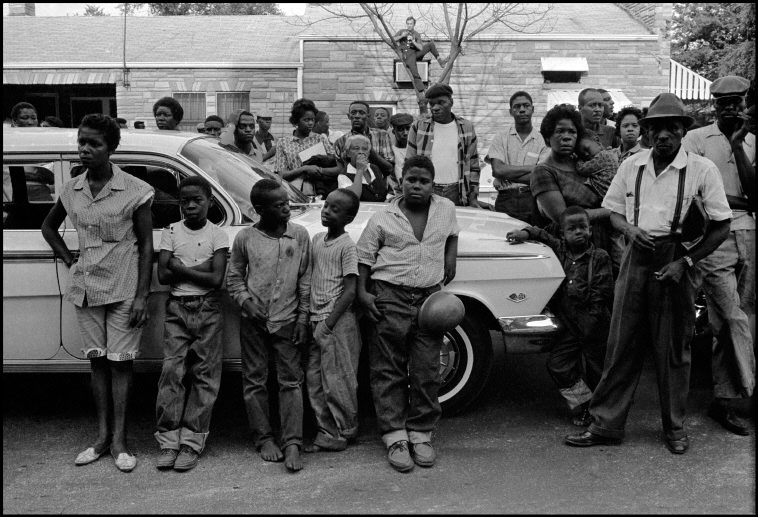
331, 262
711, 143
658, 193
107, 268
288, 149
546, 178
192, 247
389, 246
508, 147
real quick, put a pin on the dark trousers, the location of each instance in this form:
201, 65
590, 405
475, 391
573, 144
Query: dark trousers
411, 56
452, 191
256, 345
191, 348
516, 202
647, 312
404, 362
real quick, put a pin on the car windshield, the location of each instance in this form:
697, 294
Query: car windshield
236, 173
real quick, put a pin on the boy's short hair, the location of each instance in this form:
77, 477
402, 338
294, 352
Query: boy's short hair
172, 104
16, 109
215, 118
53, 121
572, 210
355, 201
420, 161
196, 181
106, 125
261, 188
520, 93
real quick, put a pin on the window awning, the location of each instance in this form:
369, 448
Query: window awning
48, 77
572, 97
565, 64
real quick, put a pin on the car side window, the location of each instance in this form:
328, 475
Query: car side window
165, 206
28, 193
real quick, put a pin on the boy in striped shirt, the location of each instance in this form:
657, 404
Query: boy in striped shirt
333, 357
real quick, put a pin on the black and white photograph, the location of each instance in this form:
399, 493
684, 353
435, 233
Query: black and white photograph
379, 258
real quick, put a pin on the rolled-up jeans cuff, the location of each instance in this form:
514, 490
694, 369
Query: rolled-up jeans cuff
192, 439
293, 441
394, 436
168, 439
419, 436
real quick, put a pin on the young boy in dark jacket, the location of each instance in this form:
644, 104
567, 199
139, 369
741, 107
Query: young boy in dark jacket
581, 304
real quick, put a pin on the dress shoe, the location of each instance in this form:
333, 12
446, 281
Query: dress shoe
725, 416
588, 439
679, 446
582, 419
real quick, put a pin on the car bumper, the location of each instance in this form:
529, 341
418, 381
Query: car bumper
529, 334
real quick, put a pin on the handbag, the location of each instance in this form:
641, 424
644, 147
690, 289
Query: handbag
695, 223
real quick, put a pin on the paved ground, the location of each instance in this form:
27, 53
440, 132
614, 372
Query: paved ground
503, 456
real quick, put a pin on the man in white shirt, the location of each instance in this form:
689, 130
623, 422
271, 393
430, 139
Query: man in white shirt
655, 289
513, 154
450, 142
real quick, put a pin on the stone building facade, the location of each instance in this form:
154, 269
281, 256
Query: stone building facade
213, 62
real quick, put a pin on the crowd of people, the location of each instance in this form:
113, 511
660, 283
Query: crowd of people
622, 198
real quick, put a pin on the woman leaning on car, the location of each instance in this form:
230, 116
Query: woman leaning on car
110, 281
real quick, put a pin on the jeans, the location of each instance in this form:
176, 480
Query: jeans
647, 312
192, 349
404, 363
728, 276
332, 377
516, 202
256, 345
451, 191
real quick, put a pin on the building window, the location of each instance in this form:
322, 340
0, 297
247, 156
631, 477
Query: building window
194, 109
564, 69
229, 102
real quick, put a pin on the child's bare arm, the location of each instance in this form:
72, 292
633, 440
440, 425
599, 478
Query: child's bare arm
365, 298
201, 274
451, 255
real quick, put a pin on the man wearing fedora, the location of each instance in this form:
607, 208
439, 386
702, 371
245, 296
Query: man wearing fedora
655, 290
450, 141
728, 274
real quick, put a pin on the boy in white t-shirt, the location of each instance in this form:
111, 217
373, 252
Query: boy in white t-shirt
193, 254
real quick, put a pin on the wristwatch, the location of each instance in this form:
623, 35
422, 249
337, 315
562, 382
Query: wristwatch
688, 261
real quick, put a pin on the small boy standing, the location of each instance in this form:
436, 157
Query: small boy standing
333, 358
582, 305
408, 250
270, 277
193, 260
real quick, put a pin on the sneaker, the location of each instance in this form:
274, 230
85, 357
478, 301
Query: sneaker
187, 458
166, 459
399, 456
423, 454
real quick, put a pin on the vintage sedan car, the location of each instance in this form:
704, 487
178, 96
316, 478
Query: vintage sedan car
504, 287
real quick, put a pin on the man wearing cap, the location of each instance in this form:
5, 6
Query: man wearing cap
513, 153
728, 274
450, 142
655, 290
401, 125
592, 108
263, 138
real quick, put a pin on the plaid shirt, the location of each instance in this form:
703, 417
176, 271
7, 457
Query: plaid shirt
421, 141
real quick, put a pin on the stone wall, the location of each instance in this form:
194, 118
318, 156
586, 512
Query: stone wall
337, 73
275, 89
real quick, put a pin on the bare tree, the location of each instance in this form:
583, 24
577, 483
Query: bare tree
94, 10
458, 23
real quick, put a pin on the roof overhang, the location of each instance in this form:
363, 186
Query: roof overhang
565, 64
572, 97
